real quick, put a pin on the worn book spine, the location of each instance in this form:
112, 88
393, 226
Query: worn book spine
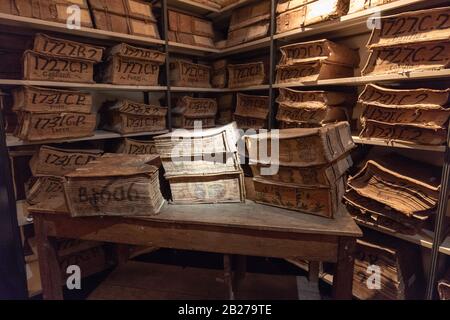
128, 71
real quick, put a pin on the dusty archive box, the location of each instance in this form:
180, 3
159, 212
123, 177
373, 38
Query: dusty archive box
187, 74
127, 116
136, 147
51, 161
394, 193
131, 65
48, 114
251, 111
249, 23
312, 165
190, 112
313, 108
190, 30
416, 46
315, 60
57, 59
294, 14
247, 74
410, 115
48, 10
400, 279
115, 184
202, 166
125, 16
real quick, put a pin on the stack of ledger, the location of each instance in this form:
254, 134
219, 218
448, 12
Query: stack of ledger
48, 166
315, 60
115, 184
190, 30
300, 109
195, 112
50, 114
306, 169
400, 278
394, 193
251, 111
248, 74
202, 166
410, 115
55, 59
187, 74
125, 116
249, 23
419, 41
49, 10
294, 14
126, 64
125, 16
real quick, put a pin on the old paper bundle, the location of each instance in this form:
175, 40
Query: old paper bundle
295, 14
186, 74
249, 23
136, 147
133, 17
191, 112
49, 10
408, 115
247, 74
313, 108
48, 166
312, 167
125, 116
400, 279
115, 184
129, 65
251, 111
56, 59
410, 41
190, 30
394, 193
315, 60
202, 166
50, 114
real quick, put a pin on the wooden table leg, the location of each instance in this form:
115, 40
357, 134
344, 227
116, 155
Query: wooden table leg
48, 262
343, 275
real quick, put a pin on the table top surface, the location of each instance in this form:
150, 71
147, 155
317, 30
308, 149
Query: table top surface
249, 215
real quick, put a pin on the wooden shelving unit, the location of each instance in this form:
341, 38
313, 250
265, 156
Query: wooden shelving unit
349, 25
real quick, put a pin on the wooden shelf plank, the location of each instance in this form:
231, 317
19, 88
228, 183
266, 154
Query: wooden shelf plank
251, 88
404, 145
81, 86
43, 25
192, 89
12, 141
355, 81
193, 6
179, 47
248, 46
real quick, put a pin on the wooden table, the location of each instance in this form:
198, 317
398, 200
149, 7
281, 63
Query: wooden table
232, 229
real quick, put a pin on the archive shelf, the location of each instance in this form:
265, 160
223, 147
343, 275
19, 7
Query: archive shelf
352, 24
